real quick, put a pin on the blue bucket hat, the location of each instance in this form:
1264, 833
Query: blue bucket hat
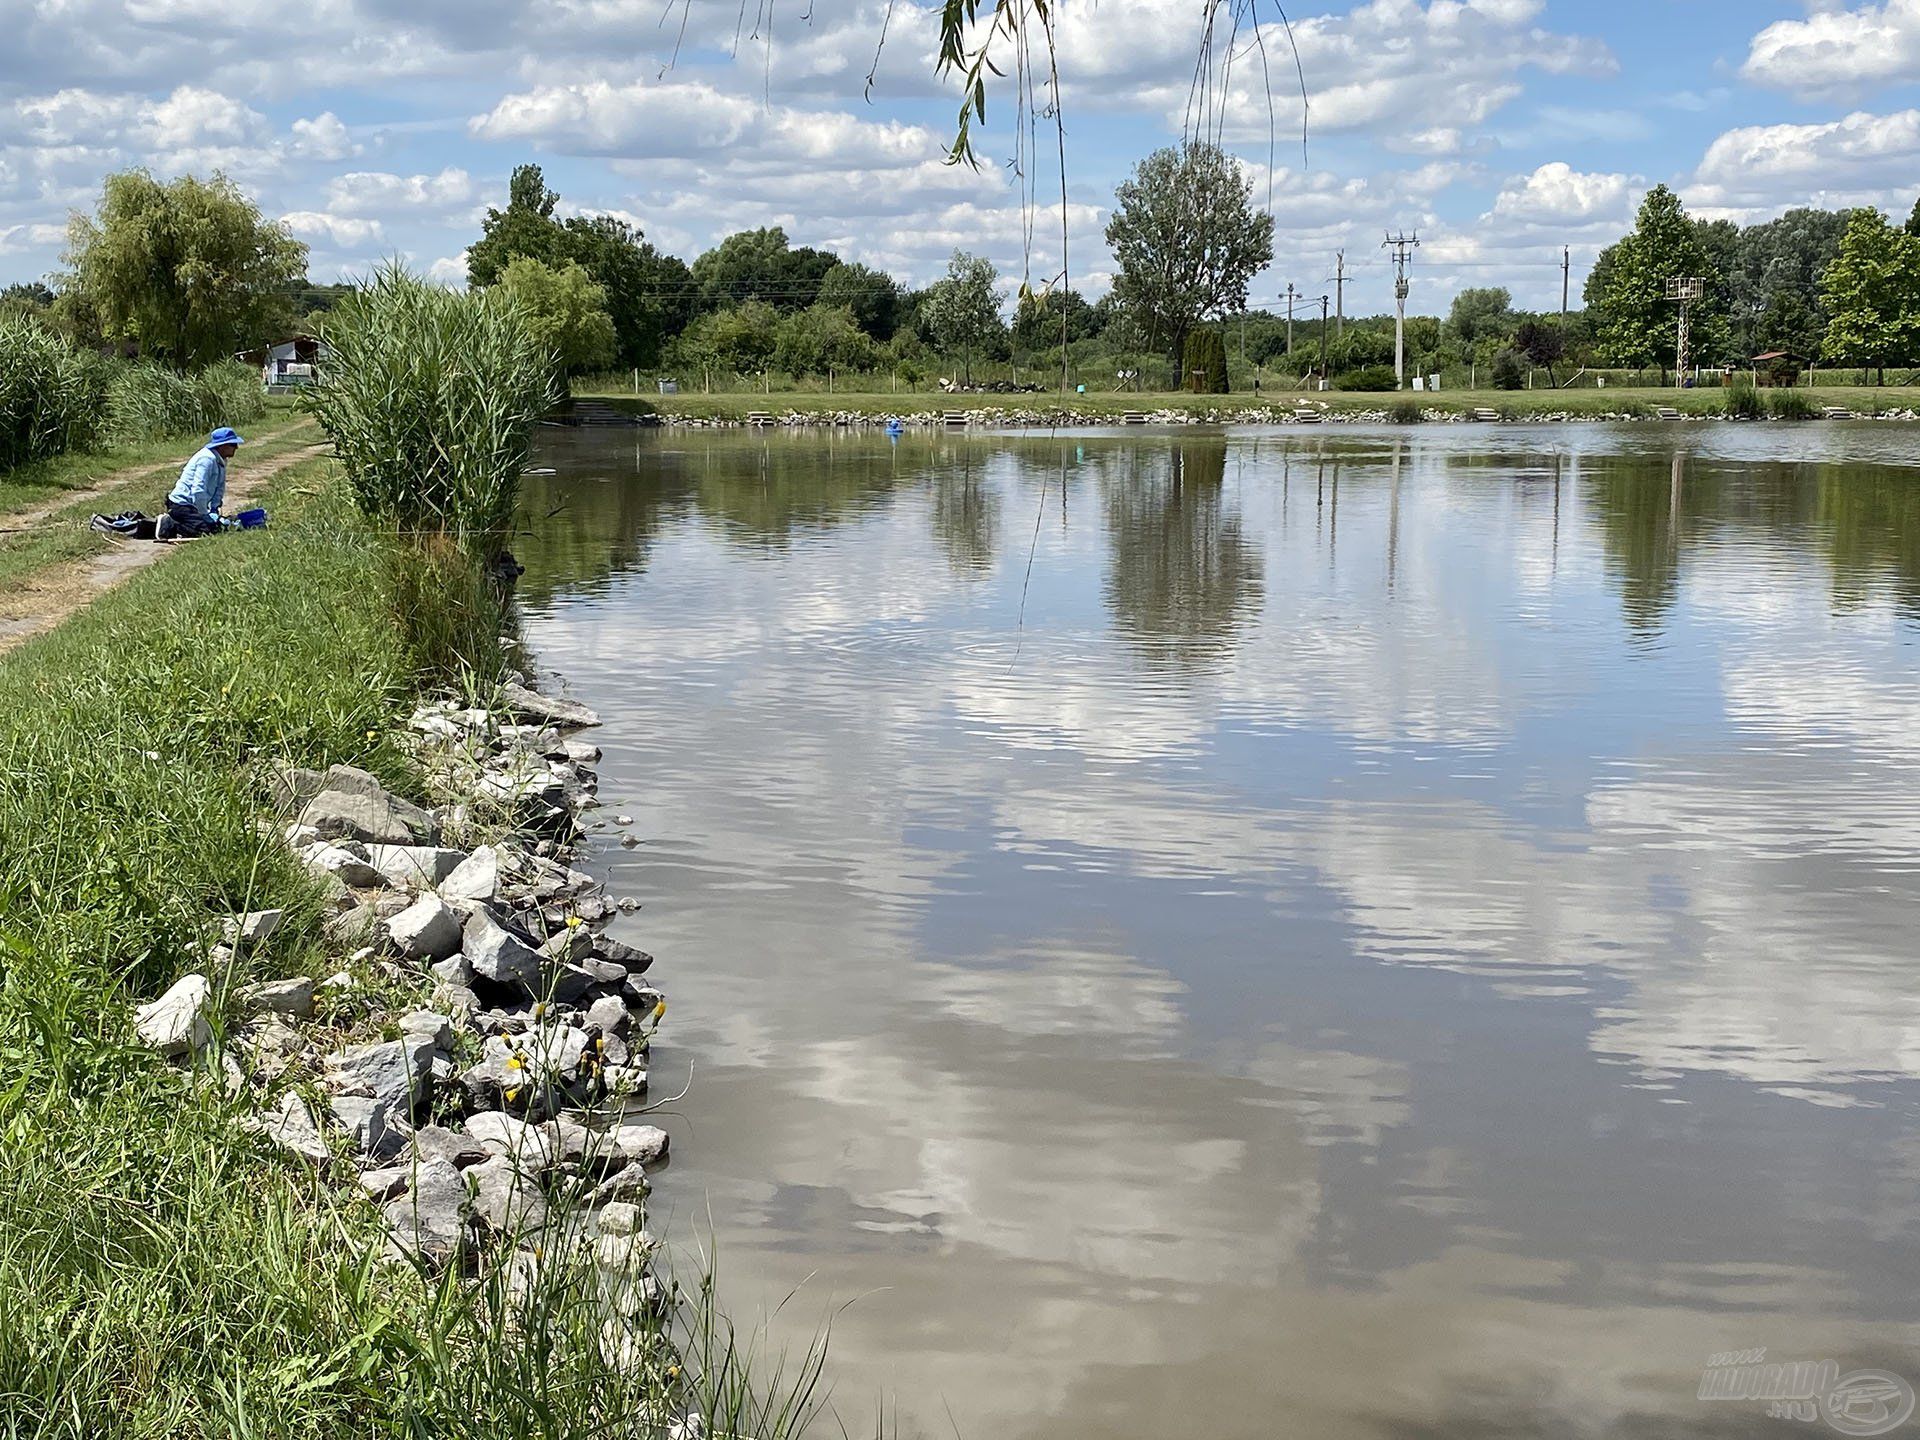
225, 435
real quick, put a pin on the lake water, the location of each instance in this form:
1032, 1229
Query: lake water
1339, 933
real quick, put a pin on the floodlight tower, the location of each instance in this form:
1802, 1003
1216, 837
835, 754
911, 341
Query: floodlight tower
1686, 289
1402, 245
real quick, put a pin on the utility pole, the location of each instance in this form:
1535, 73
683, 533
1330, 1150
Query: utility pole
1340, 294
1402, 245
1323, 338
1291, 292
1566, 276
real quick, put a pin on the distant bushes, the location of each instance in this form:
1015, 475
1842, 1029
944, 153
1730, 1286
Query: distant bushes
55, 399
430, 401
1743, 401
146, 401
50, 394
1405, 412
1790, 405
1367, 377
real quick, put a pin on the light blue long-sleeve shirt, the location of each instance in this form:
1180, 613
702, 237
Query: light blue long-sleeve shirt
202, 483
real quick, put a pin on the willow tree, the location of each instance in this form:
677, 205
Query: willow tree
188, 269
1188, 239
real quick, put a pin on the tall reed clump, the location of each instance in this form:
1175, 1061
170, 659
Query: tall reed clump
1743, 401
147, 401
49, 394
1787, 404
430, 401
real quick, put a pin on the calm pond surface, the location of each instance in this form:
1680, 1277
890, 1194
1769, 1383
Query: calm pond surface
1340, 933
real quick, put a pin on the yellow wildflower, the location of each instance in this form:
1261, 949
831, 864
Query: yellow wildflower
659, 1009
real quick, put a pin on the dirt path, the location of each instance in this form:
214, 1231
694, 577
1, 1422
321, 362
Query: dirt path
29, 516
45, 598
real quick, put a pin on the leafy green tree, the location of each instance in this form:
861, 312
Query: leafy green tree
962, 312
761, 265
1913, 219
1483, 314
1539, 342
822, 339
874, 297
1636, 323
1509, 369
649, 295
739, 338
1775, 281
1188, 239
1040, 317
565, 310
30, 299
187, 269
1871, 292
526, 227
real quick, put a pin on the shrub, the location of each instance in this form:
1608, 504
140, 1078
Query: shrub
49, 394
430, 401
147, 401
1743, 401
1367, 377
1405, 412
1205, 367
1790, 405
1509, 370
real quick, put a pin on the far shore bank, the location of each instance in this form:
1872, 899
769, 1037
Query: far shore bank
925, 409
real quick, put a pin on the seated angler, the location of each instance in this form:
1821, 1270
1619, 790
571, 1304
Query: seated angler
193, 505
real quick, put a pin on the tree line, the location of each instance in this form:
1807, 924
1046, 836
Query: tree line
188, 272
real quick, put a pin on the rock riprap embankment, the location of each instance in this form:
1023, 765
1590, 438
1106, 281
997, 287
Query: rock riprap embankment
478, 1066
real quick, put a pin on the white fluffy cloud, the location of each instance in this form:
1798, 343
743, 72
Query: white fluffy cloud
1861, 159
375, 193
1556, 193
337, 232
683, 119
1419, 78
1837, 51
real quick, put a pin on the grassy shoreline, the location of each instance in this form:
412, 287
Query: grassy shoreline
163, 1271
1235, 408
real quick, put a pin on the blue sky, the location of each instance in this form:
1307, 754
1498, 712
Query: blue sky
1499, 129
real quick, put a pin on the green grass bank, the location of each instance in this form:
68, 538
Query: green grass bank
164, 1273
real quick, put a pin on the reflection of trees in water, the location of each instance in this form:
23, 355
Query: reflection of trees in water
1870, 523
1654, 511
764, 494
595, 519
614, 494
1182, 577
966, 514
